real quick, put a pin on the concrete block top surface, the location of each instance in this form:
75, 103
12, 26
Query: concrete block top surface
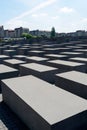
73, 46
37, 58
79, 59
14, 61
9, 50
37, 51
71, 53
54, 55
3, 56
38, 67
50, 49
63, 48
4, 69
50, 102
84, 50
63, 62
82, 45
76, 76
19, 56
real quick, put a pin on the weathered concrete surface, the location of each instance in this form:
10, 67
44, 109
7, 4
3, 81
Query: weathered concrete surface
73, 81
43, 106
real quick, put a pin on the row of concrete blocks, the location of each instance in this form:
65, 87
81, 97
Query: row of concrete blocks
40, 51
61, 107
55, 61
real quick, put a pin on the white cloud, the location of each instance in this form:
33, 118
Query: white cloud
17, 23
16, 20
38, 7
67, 10
39, 15
55, 17
84, 20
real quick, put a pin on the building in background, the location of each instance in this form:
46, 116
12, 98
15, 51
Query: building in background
9, 33
20, 31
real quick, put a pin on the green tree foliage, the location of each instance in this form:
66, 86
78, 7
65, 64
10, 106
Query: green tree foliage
27, 36
53, 33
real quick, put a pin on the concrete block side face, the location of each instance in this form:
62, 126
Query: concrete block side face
82, 68
77, 122
71, 86
32, 119
8, 64
9, 75
24, 71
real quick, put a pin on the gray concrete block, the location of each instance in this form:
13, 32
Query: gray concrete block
38, 59
67, 65
79, 59
20, 57
7, 72
41, 71
43, 106
73, 81
9, 52
13, 63
22, 51
36, 53
55, 56
3, 57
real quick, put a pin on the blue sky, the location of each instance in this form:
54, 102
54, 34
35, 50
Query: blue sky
64, 15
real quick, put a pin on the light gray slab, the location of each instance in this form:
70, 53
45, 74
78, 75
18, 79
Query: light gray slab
74, 82
19, 56
14, 61
51, 103
38, 67
79, 59
67, 63
3, 56
4, 69
54, 55
81, 50
75, 76
37, 58
71, 53
36, 51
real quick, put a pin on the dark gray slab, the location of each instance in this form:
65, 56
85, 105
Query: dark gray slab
20, 57
73, 81
43, 106
36, 53
22, 51
9, 52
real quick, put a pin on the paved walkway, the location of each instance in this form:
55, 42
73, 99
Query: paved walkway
8, 120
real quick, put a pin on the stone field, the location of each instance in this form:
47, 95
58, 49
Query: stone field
43, 86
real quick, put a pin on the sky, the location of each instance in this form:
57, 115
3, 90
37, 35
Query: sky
64, 15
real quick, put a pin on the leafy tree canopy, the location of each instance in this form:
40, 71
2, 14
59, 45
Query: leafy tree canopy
53, 33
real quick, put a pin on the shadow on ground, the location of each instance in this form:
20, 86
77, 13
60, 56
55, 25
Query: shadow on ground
8, 120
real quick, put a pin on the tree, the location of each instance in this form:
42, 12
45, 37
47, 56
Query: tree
27, 36
53, 33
